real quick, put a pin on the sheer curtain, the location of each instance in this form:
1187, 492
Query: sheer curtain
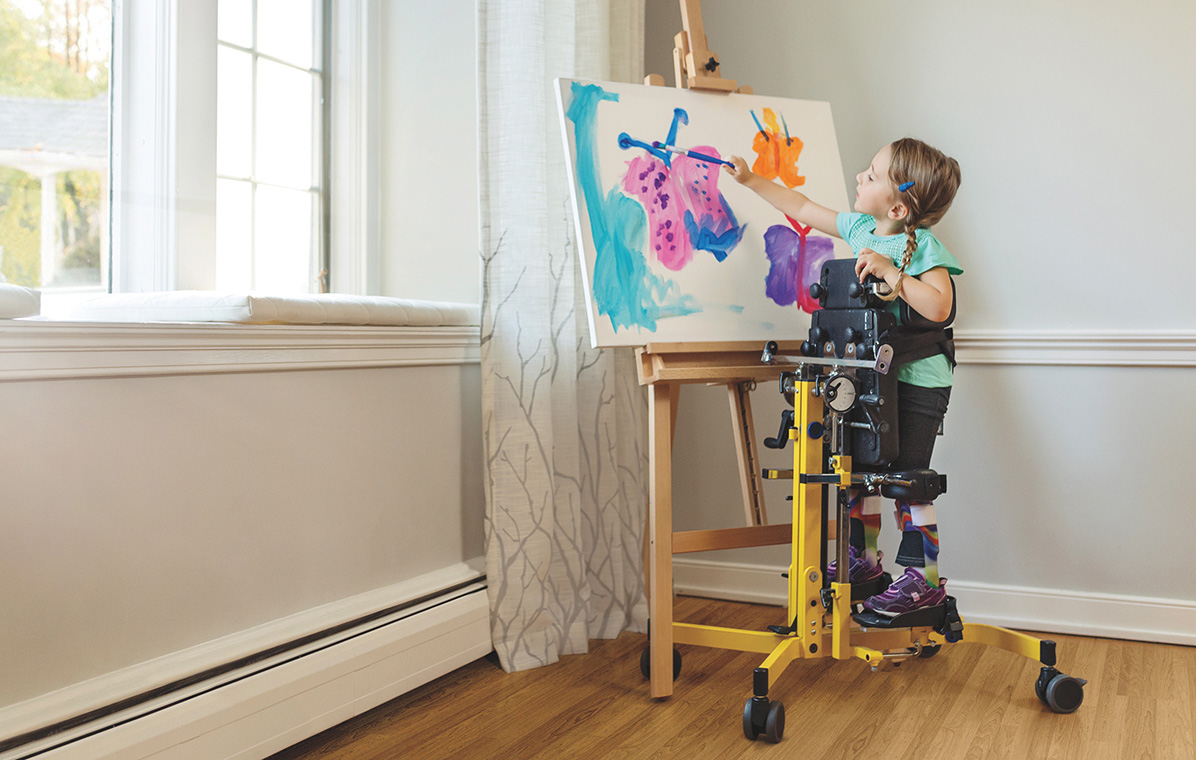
565, 426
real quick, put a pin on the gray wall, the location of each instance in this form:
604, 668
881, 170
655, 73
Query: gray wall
1071, 121
1072, 124
143, 516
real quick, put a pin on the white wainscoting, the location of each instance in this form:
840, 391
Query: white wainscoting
32, 350
272, 703
1071, 348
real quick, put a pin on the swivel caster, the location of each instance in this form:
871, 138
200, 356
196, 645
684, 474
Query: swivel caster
1061, 693
763, 717
646, 662
930, 650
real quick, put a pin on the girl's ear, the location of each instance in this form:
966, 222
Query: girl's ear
898, 212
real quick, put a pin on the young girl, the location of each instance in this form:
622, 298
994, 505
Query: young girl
905, 190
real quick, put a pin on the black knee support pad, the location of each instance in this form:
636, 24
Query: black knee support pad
923, 485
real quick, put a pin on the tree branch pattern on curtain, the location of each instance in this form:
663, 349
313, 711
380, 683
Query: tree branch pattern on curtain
565, 425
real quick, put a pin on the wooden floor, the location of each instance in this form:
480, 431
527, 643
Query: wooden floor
969, 701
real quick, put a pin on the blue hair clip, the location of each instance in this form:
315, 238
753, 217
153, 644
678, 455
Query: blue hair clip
904, 186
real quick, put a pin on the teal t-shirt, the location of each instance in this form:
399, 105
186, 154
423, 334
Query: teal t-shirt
859, 230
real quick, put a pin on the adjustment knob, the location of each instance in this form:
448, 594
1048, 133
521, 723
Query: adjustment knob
852, 335
817, 291
855, 290
818, 335
808, 348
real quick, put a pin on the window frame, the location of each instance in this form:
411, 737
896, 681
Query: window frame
163, 145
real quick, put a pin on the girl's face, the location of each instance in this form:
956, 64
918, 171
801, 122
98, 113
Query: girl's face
874, 192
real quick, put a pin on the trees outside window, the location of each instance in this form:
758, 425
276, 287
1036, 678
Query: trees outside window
55, 57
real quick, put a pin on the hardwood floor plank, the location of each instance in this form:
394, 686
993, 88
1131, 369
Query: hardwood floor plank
969, 701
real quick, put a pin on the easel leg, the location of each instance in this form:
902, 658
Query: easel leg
745, 448
662, 400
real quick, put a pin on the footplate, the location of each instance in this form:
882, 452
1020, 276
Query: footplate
936, 617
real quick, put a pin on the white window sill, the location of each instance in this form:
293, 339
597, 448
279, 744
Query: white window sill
37, 350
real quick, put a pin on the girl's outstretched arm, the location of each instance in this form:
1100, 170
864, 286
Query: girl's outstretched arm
787, 201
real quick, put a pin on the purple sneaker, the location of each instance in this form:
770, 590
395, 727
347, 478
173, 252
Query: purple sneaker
858, 569
908, 593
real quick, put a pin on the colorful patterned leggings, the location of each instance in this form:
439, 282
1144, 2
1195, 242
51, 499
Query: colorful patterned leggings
920, 412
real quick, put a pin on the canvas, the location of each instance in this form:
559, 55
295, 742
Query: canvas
673, 249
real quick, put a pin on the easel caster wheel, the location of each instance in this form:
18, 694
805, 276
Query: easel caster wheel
1065, 694
1061, 693
930, 651
646, 662
774, 721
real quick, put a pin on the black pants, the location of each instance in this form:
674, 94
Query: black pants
920, 413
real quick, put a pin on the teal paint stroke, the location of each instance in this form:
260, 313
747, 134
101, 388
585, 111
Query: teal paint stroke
625, 290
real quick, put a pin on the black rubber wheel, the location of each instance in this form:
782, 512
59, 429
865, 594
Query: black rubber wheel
930, 651
1040, 683
1064, 694
774, 725
646, 662
749, 730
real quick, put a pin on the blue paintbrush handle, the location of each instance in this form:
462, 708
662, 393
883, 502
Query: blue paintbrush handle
704, 157
691, 154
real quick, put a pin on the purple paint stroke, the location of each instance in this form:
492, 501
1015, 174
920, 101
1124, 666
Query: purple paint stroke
795, 262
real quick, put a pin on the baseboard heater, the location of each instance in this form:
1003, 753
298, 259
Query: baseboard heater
257, 704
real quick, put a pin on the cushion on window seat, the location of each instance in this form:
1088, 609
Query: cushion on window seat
321, 309
17, 301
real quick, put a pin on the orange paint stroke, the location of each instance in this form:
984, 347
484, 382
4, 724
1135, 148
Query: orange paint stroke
776, 154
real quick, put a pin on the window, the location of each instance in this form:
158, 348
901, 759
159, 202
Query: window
54, 154
270, 148
208, 161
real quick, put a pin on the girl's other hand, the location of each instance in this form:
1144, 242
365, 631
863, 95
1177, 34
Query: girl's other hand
870, 262
740, 171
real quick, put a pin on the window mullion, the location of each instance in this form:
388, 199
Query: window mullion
252, 243
193, 105
164, 145
355, 144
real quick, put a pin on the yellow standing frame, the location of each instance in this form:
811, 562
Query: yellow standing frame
815, 632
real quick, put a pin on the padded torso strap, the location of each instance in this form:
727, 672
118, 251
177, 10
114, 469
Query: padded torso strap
910, 344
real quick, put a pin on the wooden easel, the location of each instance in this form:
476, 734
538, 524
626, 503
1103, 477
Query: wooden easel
664, 368
695, 66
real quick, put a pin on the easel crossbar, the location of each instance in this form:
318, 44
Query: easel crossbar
731, 538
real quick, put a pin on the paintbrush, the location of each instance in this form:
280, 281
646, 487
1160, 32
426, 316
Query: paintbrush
691, 154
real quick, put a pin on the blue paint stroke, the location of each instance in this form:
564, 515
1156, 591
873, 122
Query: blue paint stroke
627, 142
625, 290
679, 115
658, 149
718, 236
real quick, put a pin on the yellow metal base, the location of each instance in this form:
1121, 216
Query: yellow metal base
844, 639
816, 633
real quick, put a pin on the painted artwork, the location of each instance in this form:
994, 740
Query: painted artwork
676, 251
